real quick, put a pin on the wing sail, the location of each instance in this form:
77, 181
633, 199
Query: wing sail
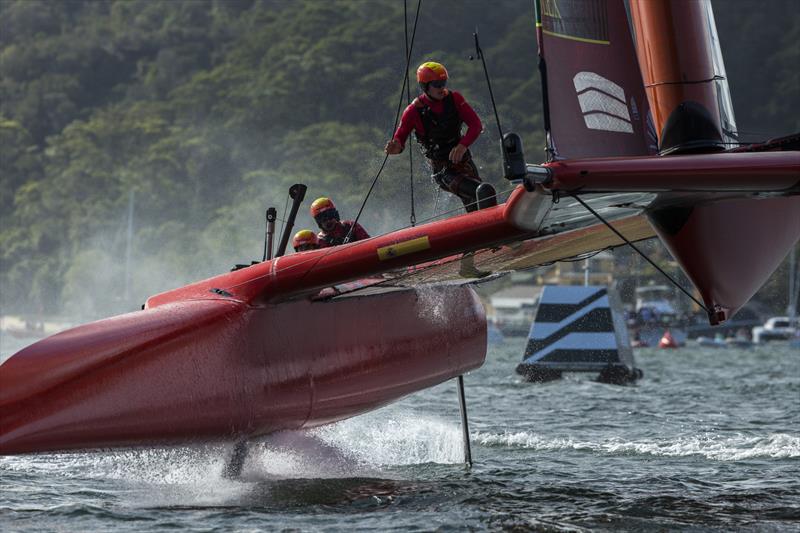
595, 103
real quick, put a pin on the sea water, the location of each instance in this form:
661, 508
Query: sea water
708, 440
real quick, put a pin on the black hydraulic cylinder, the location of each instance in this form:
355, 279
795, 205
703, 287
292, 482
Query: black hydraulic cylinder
297, 193
272, 214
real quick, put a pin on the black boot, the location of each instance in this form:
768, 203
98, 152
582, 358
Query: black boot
486, 196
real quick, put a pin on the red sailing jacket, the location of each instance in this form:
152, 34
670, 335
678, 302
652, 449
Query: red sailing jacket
412, 121
336, 236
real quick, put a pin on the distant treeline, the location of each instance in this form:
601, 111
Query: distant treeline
205, 111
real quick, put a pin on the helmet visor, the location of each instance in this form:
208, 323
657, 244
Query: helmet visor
439, 84
329, 214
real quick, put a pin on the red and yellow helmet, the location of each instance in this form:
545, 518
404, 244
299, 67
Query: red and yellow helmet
323, 205
305, 239
431, 71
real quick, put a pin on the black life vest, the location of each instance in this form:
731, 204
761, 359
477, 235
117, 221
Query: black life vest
442, 130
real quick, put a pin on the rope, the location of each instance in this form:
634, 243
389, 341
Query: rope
479, 53
629, 243
413, 217
283, 220
396, 119
462, 206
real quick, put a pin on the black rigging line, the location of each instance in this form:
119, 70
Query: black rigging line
479, 54
629, 243
436, 202
283, 220
550, 151
413, 217
581, 257
396, 119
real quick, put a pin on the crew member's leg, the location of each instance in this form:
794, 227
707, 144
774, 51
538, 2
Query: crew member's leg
463, 180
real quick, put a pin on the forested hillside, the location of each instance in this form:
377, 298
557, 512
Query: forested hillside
205, 111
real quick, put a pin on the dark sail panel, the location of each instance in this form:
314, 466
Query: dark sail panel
582, 20
594, 95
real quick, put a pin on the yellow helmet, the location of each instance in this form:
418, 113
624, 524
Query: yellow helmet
431, 71
325, 208
305, 239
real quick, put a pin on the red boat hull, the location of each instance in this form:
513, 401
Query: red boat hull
215, 369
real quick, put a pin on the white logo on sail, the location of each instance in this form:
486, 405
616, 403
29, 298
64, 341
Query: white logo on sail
602, 103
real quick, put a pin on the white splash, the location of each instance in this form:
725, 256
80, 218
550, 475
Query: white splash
396, 438
717, 447
359, 447
298, 454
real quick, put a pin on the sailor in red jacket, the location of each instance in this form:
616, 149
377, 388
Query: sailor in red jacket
305, 240
436, 117
334, 231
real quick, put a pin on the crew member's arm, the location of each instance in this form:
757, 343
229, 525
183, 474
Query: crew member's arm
322, 241
474, 127
407, 123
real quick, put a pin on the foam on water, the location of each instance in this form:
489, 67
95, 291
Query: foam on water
144, 477
396, 437
192, 476
722, 448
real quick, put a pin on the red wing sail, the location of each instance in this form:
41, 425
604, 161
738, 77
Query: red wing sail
594, 97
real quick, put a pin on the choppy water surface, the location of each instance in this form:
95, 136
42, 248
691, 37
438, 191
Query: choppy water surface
709, 440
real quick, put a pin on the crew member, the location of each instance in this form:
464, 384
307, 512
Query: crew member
334, 231
304, 240
436, 117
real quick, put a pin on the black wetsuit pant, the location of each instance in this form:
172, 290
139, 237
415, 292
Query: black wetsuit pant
461, 179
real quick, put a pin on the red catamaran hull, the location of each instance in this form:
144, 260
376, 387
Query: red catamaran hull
211, 369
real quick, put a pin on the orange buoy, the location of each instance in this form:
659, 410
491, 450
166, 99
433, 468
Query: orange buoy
667, 341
